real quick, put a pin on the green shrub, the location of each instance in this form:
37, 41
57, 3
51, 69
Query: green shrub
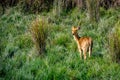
93, 10
36, 6
61, 39
114, 43
39, 32
23, 42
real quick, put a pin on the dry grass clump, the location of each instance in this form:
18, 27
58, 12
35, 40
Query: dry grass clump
39, 32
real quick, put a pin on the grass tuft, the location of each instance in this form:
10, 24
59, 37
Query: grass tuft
39, 32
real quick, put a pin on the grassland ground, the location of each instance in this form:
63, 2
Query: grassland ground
61, 61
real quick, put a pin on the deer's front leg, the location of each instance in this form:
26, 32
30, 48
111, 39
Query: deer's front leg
80, 52
84, 53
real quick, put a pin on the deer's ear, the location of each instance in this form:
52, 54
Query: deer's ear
73, 27
78, 27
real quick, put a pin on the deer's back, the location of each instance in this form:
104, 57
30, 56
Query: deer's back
85, 42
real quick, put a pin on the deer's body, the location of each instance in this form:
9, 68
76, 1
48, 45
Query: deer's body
84, 43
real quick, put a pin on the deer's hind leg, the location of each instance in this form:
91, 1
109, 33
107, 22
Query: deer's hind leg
90, 50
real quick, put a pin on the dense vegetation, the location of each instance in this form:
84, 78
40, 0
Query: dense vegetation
24, 35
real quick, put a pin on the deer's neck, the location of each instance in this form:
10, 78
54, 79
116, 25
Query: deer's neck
76, 37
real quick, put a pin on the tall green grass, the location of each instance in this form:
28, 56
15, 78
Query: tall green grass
114, 43
61, 59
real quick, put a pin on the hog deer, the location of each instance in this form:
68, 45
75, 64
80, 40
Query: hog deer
84, 43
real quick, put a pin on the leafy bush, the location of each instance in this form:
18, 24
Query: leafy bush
93, 9
39, 32
61, 39
114, 43
36, 6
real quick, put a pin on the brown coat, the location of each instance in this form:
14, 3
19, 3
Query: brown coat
84, 43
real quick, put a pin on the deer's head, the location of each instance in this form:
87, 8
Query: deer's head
75, 29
